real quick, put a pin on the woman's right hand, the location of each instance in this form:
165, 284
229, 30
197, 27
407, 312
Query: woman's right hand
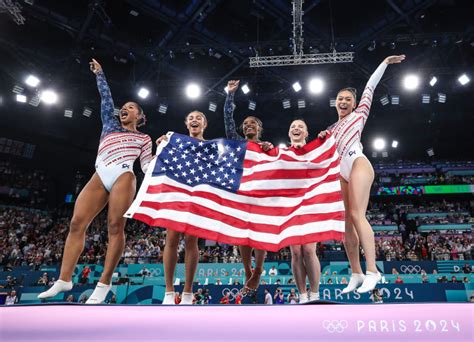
95, 66
232, 86
323, 134
394, 59
160, 139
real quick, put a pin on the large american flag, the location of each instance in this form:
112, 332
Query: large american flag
233, 192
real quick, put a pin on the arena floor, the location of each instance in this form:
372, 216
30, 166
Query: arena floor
387, 322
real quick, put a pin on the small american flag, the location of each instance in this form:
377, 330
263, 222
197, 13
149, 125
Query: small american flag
233, 192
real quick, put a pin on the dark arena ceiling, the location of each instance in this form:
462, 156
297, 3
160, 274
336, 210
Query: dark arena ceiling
164, 45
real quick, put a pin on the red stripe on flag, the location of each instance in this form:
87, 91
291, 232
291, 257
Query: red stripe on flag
216, 236
256, 209
203, 211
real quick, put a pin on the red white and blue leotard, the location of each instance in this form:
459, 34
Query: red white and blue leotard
348, 130
119, 147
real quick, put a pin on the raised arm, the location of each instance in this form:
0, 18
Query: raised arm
229, 106
106, 103
366, 100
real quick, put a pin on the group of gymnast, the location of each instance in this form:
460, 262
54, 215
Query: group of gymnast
114, 184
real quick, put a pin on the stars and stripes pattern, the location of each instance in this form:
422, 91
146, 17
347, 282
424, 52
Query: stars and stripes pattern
234, 192
119, 146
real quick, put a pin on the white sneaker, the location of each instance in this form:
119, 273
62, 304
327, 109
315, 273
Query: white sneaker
356, 280
169, 298
304, 298
370, 282
186, 298
313, 295
99, 294
58, 287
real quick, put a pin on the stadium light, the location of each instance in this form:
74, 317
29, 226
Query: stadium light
411, 82
433, 81
464, 79
316, 86
245, 89
193, 91
32, 81
143, 93
21, 98
394, 143
297, 86
281, 145
379, 144
49, 97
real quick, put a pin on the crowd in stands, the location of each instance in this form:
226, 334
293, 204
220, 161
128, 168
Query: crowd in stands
34, 237
22, 186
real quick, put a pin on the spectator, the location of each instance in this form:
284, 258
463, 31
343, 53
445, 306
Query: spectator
177, 298
278, 282
85, 275
279, 297
424, 279
467, 268
218, 281
465, 280
144, 272
454, 279
11, 298
83, 299
199, 297
238, 298
273, 272
376, 297
207, 297
226, 298
268, 297
329, 281
292, 297
43, 280
343, 280
112, 300
70, 299
399, 280
394, 271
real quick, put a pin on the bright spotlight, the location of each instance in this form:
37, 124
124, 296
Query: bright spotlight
394, 144
193, 91
21, 98
143, 93
379, 144
281, 145
49, 97
245, 88
411, 82
316, 86
32, 81
297, 86
433, 81
464, 79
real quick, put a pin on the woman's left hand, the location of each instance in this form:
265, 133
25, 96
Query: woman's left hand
394, 59
266, 146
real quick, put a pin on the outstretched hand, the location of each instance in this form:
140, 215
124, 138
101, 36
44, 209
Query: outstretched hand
394, 59
266, 145
160, 139
232, 85
323, 134
95, 66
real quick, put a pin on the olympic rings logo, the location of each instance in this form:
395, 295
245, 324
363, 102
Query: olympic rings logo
233, 292
410, 269
335, 326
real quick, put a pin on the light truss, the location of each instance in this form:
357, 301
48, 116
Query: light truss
14, 9
308, 59
298, 57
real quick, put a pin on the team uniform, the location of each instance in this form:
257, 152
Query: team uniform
119, 147
348, 130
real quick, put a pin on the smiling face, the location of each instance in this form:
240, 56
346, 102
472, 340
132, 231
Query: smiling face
252, 128
298, 132
196, 123
130, 113
345, 103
